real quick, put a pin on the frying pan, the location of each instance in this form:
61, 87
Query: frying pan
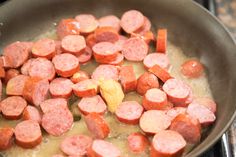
191, 27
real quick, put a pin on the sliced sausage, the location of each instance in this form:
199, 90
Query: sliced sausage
208, 102
32, 113
58, 47
105, 72
1, 93
97, 125
176, 90
74, 44
167, 143
17, 53
187, 101
42, 68
79, 76
119, 44
12, 107
161, 44
44, 48
118, 60
189, 127
111, 21
68, 27
26, 66
192, 68
66, 64
61, 88
146, 26
6, 138
202, 113
76, 145
105, 52
85, 88
127, 78
85, 56
57, 121
28, 134
36, 90
54, 103
87, 22
92, 104
153, 121
175, 111
132, 20
16, 85
147, 36
101, 148
10, 74
145, 82
135, 49
129, 112
161, 73
2, 72
6, 62
90, 40
155, 99
156, 58
137, 142
106, 34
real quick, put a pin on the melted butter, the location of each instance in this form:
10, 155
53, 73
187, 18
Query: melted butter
119, 132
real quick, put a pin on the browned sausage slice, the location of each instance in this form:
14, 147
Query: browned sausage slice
87, 23
79, 76
44, 48
106, 34
167, 143
28, 134
101, 148
12, 107
129, 112
6, 138
68, 27
85, 88
175, 111
176, 90
58, 121
160, 59
42, 68
118, 61
26, 66
61, 88
74, 44
145, 82
127, 78
202, 113
16, 85
161, 73
97, 125
137, 142
131, 21
32, 113
135, 49
105, 72
17, 53
92, 104
153, 121
36, 90
76, 145
90, 40
188, 127
66, 64
85, 56
10, 74
155, 99
110, 20
51, 104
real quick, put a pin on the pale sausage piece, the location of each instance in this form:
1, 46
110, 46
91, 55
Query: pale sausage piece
51, 104
61, 88
153, 121
135, 49
160, 59
16, 85
110, 20
85, 88
68, 27
76, 145
208, 102
26, 66
131, 21
74, 44
79, 76
167, 143
106, 34
105, 72
127, 78
137, 142
175, 111
66, 64
85, 56
28, 134
10, 74
101, 148
129, 112
43, 68
192, 68
92, 104
32, 113
44, 48
146, 26
6, 138
87, 22
12, 107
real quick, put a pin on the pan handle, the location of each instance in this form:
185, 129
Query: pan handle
225, 145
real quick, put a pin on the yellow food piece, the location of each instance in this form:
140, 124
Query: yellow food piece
112, 92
